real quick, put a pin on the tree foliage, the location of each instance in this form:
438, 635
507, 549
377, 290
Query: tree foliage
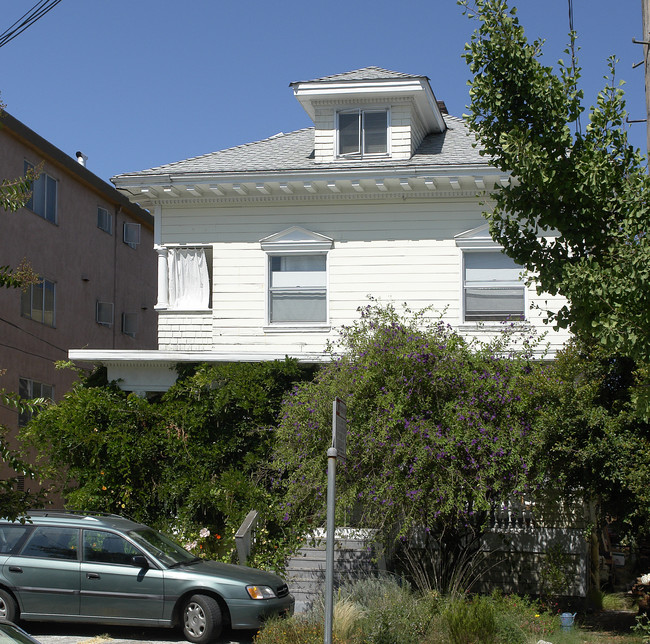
577, 212
185, 462
439, 432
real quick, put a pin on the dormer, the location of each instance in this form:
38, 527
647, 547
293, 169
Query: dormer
369, 114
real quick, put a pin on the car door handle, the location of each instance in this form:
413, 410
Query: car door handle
15, 569
92, 575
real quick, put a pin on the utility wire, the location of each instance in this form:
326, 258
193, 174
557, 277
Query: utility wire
27, 20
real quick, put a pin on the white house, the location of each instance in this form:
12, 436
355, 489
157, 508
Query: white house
266, 248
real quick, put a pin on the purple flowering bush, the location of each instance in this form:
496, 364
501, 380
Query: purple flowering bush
439, 432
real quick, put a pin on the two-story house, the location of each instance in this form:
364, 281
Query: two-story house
266, 248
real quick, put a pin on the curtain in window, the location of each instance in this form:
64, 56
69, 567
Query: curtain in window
189, 281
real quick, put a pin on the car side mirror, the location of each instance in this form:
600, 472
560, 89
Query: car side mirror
140, 561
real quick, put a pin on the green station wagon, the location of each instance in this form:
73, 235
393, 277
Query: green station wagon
106, 569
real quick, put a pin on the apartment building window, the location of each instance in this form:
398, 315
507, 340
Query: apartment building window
130, 324
362, 132
104, 220
44, 195
104, 313
492, 287
30, 390
131, 234
38, 302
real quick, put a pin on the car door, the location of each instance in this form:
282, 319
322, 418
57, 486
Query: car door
45, 574
112, 587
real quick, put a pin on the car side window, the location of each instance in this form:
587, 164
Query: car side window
52, 543
11, 537
106, 547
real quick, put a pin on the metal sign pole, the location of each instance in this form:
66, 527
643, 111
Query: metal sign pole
329, 552
337, 450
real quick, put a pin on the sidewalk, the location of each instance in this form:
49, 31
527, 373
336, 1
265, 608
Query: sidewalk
51, 633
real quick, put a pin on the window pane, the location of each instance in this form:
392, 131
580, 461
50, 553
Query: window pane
50, 211
38, 196
106, 547
375, 132
298, 307
494, 303
491, 267
26, 303
10, 536
298, 271
48, 303
37, 302
349, 133
53, 543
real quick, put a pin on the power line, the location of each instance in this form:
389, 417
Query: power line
27, 20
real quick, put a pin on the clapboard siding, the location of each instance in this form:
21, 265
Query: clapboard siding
401, 252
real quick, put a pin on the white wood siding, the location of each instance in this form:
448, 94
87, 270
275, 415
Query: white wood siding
399, 252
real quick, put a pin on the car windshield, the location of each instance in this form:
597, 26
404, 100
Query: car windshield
163, 548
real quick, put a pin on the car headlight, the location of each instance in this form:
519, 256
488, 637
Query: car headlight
260, 592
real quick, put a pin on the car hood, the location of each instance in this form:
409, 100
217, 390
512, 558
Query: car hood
231, 572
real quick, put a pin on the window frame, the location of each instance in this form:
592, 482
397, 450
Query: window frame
129, 324
296, 241
49, 183
361, 152
519, 285
26, 390
27, 301
131, 234
105, 220
101, 306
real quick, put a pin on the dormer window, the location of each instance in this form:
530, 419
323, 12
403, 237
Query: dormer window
362, 132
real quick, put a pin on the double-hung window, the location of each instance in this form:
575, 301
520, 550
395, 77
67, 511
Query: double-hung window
492, 287
297, 288
38, 302
43, 198
297, 279
362, 132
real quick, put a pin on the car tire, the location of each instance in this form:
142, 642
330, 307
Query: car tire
201, 619
8, 607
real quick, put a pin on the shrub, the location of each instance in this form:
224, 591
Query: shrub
471, 621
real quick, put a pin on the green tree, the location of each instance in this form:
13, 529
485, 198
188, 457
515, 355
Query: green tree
576, 213
184, 462
439, 436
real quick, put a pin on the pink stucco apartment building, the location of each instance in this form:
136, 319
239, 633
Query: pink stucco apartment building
92, 249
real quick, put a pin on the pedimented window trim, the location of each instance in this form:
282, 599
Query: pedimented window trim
296, 239
477, 239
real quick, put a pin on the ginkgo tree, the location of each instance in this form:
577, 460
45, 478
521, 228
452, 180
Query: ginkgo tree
576, 213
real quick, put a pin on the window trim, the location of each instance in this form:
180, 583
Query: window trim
519, 284
361, 153
296, 241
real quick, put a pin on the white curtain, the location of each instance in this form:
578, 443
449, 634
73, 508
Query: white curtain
189, 281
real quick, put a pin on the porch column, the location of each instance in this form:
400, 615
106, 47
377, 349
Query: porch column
163, 278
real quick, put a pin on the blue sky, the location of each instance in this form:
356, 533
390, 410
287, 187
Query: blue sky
138, 83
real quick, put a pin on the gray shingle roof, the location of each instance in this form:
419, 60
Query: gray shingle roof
365, 73
294, 151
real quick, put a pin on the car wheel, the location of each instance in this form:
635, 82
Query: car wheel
201, 619
8, 608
